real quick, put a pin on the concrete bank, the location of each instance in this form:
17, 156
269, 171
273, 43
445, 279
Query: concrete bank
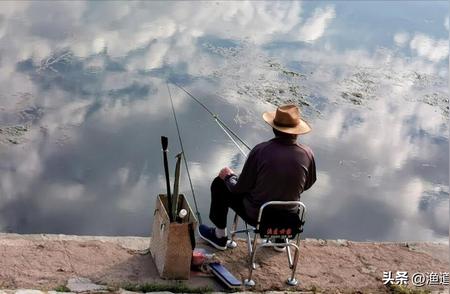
49, 262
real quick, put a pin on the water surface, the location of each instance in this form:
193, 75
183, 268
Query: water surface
84, 101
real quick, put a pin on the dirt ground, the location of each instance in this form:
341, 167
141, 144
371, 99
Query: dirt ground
344, 266
48, 261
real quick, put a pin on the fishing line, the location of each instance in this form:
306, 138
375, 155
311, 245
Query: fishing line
184, 156
221, 124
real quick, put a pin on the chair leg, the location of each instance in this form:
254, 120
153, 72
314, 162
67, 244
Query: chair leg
234, 226
289, 255
249, 244
249, 282
249, 240
292, 281
232, 244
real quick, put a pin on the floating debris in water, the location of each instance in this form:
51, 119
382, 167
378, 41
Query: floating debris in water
54, 60
12, 134
354, 99
437, 99
292, 73
31, 114
249, 73
358, 87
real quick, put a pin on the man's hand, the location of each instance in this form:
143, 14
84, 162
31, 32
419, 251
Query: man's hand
225, 172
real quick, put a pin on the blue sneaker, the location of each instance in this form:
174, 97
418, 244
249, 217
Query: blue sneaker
209, 235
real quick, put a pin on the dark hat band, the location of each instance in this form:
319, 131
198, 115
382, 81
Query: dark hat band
285, 124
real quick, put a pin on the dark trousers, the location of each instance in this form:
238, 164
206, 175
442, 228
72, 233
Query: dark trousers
221, 200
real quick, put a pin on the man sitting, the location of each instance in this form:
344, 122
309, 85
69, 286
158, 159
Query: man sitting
279, 169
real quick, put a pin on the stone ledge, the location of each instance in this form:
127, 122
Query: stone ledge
47, 261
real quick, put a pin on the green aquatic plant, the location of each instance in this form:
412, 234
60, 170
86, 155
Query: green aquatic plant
178, 287
62, 288
400, 289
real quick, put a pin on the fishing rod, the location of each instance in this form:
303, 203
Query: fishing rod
165, 143
227, 130
184, 156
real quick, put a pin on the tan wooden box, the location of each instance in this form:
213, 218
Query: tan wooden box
170, 245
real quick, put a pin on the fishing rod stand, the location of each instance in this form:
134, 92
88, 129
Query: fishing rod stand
172, 243
173, 229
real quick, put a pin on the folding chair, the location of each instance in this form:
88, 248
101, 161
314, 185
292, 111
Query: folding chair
273, 223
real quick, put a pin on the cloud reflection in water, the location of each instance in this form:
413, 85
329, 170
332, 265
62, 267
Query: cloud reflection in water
91, 162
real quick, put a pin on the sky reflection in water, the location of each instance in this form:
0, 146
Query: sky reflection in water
87, 80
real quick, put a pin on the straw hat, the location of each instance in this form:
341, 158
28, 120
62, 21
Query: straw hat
287, 119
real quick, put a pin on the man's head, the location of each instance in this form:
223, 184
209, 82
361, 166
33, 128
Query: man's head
279, 134
286, 119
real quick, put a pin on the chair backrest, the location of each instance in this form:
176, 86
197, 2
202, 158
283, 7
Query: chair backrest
281, 219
